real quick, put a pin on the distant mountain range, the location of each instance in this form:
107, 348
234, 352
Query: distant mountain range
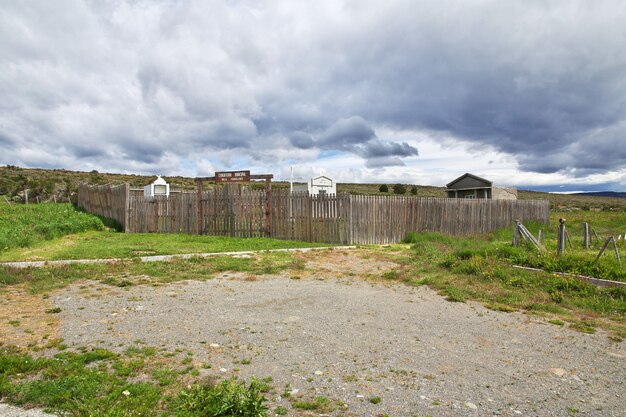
604, 194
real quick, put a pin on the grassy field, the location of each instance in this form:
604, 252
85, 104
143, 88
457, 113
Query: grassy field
99, 245
26, 225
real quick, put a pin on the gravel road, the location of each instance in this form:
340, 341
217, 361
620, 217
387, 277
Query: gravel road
331, 333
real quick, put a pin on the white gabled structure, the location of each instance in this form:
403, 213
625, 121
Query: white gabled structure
318, 185
157, 188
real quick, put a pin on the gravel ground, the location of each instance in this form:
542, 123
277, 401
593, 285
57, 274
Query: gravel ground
334, 332
10, 411
336, 335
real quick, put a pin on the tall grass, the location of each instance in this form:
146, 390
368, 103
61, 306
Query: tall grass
23, 225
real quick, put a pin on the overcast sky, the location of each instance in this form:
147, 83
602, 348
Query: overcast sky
527, 93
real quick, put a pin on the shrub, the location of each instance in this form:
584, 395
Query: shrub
383, 188
399, 189
414, 190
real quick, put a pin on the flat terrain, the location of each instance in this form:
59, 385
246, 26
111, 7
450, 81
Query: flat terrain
337, 330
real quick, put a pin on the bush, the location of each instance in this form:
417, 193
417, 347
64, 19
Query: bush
383, 188
399, 189
414, 190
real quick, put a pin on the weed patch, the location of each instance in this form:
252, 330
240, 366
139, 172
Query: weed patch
98, 382
229, 398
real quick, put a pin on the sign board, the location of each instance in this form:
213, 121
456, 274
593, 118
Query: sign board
232, 176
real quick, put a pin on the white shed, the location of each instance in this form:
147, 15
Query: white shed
318, 185
158, 187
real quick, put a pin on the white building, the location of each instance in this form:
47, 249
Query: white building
316, 186
158, 187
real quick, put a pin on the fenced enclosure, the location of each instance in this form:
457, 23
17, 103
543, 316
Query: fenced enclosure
343, 218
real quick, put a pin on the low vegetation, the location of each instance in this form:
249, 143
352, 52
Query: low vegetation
26, 225
481, 268
141, 381
132, 272
28, 232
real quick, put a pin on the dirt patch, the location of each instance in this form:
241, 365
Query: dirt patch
27, 319
338, 263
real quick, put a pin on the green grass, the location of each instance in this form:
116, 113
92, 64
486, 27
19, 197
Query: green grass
320, 404
97, 245
480, 268
25, 225
101, 383
133, 272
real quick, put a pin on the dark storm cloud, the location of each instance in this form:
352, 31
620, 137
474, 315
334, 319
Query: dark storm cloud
377, 149
528, 78
345, 133
385, 161
542, 81
301, 140
354, 135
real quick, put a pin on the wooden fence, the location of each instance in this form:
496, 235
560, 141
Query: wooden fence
106, 201
344, 218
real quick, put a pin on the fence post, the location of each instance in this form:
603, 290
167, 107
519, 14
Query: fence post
561, 240
586, 237
516, 233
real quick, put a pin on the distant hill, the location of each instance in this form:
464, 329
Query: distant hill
62, 185
604, 194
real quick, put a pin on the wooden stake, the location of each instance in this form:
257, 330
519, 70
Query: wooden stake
606, 243
516, 233
568, 240
561, 240
619, 261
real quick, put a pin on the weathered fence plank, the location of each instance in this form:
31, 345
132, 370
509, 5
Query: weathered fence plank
350, 219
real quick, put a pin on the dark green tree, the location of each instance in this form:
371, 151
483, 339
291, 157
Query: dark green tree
383, 188
399, 189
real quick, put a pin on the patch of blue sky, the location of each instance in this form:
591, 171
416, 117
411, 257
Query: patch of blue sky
329, 154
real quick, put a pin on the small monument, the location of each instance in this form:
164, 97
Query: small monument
158, 188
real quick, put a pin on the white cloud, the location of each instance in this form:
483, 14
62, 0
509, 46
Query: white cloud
521, 92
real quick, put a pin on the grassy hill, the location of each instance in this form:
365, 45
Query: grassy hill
62, 185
